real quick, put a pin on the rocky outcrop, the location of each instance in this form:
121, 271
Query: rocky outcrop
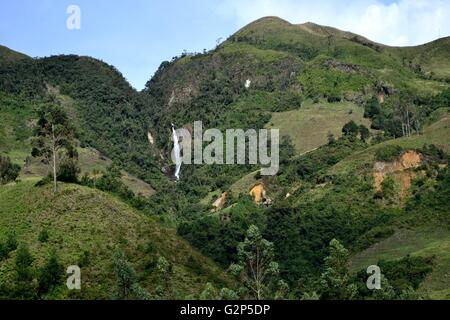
400, 169
259, 194
219, 204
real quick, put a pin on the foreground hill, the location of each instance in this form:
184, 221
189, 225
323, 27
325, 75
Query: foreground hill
85, 226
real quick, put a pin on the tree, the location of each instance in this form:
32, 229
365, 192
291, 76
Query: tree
364, 132
209, 293
53, 135
127, 285
335, 282
372, 108
255, 267
165, 269
68, 169
287, 150
51, 273
331, 138
24, 288
228, 294
350, 128
8, 171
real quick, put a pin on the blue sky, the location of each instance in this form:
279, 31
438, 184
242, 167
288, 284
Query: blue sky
137, 35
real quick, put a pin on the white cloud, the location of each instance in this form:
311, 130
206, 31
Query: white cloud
399, 23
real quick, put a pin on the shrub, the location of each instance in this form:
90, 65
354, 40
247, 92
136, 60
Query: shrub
51, 273
8, 171
11, 242
43, 235
350, 128
68, 171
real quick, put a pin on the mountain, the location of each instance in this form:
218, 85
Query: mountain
363, 159
101, 103
8, 55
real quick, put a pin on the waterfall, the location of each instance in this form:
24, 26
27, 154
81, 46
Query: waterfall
176, 153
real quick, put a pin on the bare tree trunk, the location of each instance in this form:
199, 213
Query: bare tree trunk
55, 185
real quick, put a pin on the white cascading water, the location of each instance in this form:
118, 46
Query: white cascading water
176, 153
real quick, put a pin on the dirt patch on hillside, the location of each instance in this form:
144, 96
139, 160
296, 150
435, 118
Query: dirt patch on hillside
259, 194
220, 202
401, 169
404, 181
378, 178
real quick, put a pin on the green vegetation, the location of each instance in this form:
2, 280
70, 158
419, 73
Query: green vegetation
325, 217
388, 153
255, 267
54, 144
309, 126
127, 284
82, 222
8, 171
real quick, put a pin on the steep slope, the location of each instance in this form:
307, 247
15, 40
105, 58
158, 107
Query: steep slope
430, 59
18, 117
85, 226
104, 108
437, 133
422, 242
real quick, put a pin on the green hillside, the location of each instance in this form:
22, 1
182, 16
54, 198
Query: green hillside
416, 242
8, 55
436, 134
309, 126
84, 227
100, 102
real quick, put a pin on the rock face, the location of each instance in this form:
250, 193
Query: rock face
403, 177
150, 138
258, 193
219, 204
410, 159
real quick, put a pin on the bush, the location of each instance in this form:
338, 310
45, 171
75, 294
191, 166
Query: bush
8, 171
51, 273
333, 98
407, 272
350, 128
68, 171
43, 235
10, 244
